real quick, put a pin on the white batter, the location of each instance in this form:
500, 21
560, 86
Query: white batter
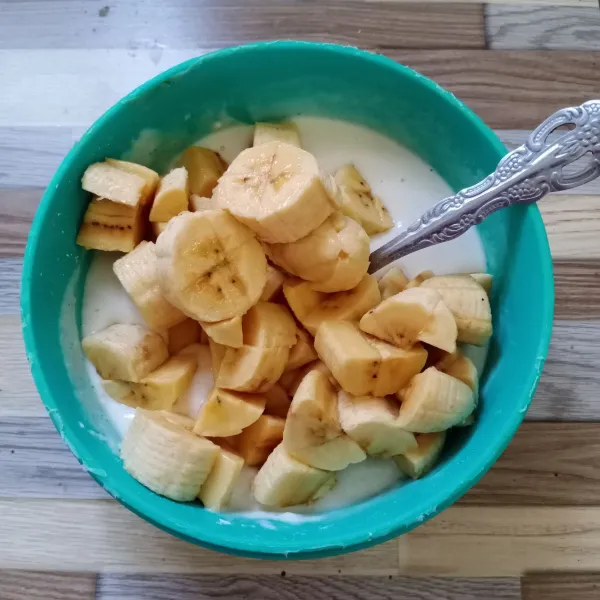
407, 186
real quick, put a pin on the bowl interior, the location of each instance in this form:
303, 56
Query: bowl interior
265, 82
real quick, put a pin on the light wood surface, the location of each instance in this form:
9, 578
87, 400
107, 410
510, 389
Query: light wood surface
530, 530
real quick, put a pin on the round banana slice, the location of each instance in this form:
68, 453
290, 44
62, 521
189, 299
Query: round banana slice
276, 189
335, 256
210, 266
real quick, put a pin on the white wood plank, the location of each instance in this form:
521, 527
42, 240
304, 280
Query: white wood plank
10, 284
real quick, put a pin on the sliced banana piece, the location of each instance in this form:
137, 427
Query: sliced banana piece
148, 175
256, 442
166, 457
335, 256
434, 401
138, 275
252, 368
461, 367
484, 280
218, 487
227, 332
275, 279
276, 190
469, 304
392, 282
158, 228
278, 401
283, 481
418, 461
210, 266
172, 196
442, 330
290, 380
182, 335
276, 132
125, 352
226, 413
217, 352
364, 365
312, 308
372, 423
302, 352
200, 203
356, 199
313, 434
269, 325
419, 279
204, 168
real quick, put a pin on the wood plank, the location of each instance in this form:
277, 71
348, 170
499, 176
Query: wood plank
535, 27
561, 586
103, 536
155, 25
81, 84
208, 587
35, 585
10, 285
577, 289
17, 207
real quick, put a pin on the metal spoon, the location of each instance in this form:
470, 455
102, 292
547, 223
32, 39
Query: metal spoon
523, 176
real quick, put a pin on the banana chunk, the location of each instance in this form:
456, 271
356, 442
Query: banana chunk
290, 380
276, 132
200, 203
210, 266
419, 279
269, 325
218, 487
110, 226
434, 401
392, 282
283, 481
335, 256
460, 366
469, 304
172, 196
182, 335
418, 461
138, 275
302, 352
313, 434
312, 308
356, 199
166, 457
278, 401
484, 280
125, 352
226, 413
373, 424
256, 442
251, 368
227, 333
275, 279
217, 352
276, 190
204, 167
364, 365
148, 175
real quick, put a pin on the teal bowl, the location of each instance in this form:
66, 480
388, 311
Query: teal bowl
269, 81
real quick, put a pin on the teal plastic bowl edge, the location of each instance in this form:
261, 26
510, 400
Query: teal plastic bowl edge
349, 540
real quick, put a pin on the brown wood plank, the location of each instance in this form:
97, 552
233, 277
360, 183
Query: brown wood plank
17, 207
156, 24
561, 586
577, 289
35, 585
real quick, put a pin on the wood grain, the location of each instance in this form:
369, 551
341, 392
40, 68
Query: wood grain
561, 586
155, 25
549, 27
10, 285
577, 290
34, 585
17, 207
291, 587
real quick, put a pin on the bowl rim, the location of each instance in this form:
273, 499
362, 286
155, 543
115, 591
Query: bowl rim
351, 539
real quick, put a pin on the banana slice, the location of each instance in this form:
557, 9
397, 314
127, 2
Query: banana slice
204, 168
484, 280
442, 330
275, 279
302, 352
182, 335
460, 366
148, 175
364, 365
276, 132
160, 389
276, 190
392, 282
125, 352
210, 266
283, 481
110, 226
434, 401
217, 352
158, 228
256, 442
227, 333
469, 304
335, 256
356, 200
278, 401
165, 457
137, 273
218, 487
419, 279
372, 423
172, 196
269, 325
226, 413
312, 433
200, 203
251, 368
312, 308
290, 380
418, 461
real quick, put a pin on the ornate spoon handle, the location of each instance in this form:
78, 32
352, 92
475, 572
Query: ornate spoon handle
523, 176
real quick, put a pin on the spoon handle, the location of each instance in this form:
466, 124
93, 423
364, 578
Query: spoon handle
523, 176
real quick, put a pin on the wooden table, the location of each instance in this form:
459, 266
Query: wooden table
530, 529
